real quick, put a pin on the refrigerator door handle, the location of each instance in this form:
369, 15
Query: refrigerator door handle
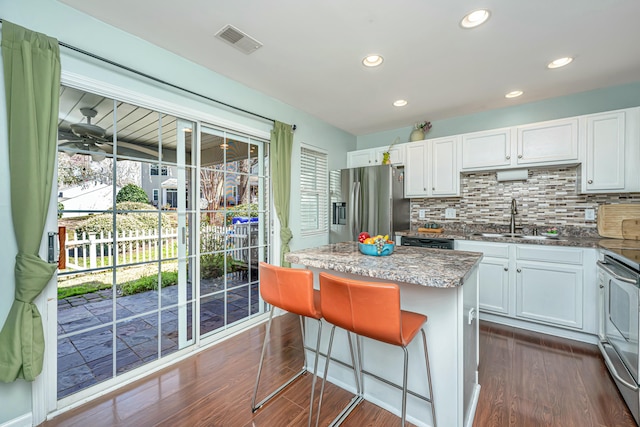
356, 209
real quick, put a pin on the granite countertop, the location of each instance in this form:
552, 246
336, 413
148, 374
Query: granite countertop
422, 266
574, 241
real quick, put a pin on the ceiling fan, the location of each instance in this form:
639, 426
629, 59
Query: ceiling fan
86, 136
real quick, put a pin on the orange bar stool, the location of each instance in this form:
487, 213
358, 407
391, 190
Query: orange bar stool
289, 289
372, 310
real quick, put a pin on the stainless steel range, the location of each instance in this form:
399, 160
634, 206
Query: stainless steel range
619, 277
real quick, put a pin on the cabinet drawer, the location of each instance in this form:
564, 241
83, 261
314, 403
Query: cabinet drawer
547, 254
496, 250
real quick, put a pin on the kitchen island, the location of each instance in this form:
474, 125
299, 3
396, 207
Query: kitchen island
442, 284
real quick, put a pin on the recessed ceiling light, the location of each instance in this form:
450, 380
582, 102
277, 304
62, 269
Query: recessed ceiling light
475, 18
560, 62
514, 94
400, 103
372, 60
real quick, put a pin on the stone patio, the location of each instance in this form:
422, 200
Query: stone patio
85, 359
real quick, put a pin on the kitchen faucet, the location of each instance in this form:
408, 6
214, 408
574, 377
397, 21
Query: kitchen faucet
514, 211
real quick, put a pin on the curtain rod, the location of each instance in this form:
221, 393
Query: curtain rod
164, 82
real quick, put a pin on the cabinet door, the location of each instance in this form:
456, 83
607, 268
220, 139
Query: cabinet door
605, 152
396, 155
486, 150
554, 141
356, 159
445, 174
494, 285
415, 173
549, 293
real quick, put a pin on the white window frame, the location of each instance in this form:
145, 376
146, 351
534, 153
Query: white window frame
160, 170
320, 179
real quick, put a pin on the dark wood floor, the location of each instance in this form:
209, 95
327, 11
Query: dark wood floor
527, 380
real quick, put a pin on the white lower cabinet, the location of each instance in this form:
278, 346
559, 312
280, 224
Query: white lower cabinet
550, 293
537, 284
494, 285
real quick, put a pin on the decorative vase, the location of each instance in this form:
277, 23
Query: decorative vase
416, 135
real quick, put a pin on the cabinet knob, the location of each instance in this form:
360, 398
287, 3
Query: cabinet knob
424, 189
433, 188
519, 156
506, 269
519, 270
508, 157
590, 181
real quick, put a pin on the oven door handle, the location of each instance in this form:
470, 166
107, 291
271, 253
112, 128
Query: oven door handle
605, 267
613, 370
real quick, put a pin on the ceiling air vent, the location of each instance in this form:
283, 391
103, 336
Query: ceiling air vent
236, 38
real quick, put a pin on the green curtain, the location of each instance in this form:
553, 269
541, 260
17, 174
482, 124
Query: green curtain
281, 148
32, 85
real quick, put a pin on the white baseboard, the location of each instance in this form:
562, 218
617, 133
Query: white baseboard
25, 420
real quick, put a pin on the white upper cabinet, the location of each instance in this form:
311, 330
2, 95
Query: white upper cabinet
396, 154
444, 168
415, 170
486, 150
546, 143
611, 152
432, 169
356, 159
373, 156
549, 142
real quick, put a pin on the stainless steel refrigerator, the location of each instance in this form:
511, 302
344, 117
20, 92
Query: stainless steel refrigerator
367, 199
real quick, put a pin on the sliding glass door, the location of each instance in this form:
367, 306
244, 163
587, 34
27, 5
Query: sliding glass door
162, 224
233, 227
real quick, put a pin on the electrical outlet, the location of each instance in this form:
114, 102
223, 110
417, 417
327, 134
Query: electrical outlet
449, 213
423, 213
589, 214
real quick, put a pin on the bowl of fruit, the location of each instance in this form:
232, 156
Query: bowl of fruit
376, 246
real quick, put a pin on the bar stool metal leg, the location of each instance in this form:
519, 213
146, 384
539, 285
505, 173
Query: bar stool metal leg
358, 396
255, 406
426, 358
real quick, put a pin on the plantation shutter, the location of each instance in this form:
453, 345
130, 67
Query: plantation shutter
314, 182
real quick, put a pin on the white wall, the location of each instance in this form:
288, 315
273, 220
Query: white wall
77, 29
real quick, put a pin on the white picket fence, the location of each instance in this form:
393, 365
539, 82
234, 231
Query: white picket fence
88, 251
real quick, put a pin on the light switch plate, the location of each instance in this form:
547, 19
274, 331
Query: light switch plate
589, 214
423, 213
449, 213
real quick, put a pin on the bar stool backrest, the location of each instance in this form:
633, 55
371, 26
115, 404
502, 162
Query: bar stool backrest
290, 289
368, 309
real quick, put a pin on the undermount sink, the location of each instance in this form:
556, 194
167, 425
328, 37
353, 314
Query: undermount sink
514, 236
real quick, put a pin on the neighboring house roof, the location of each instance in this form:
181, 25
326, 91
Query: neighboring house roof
169, 183
98, 197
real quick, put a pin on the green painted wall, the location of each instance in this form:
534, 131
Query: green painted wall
70, 26
594, 101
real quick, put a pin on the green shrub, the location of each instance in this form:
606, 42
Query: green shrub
60, 209
124, 221
132, 193
134, 206
149, 283
212, 265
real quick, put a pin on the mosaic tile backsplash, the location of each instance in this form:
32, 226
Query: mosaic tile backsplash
548, 198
